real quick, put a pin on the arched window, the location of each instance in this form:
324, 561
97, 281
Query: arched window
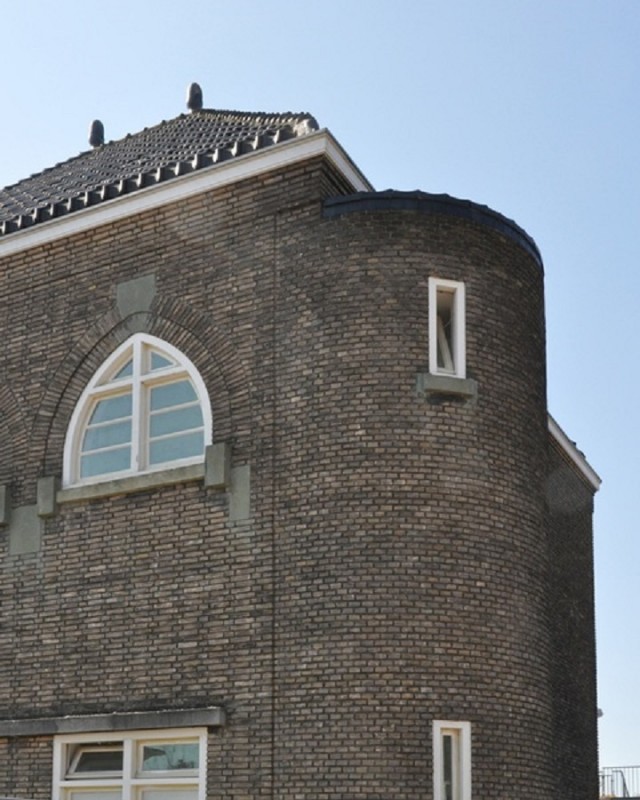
145, 409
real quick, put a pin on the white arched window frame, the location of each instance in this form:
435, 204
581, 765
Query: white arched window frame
146, 409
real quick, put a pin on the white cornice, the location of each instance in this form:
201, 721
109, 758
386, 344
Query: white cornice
240, 168
574, 454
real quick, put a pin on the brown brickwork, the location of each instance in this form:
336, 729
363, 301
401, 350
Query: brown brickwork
417, 528
570, 508
397, 567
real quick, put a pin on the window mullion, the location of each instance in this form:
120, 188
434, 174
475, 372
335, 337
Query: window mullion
202, 770
128, 767
137, 427
59, 751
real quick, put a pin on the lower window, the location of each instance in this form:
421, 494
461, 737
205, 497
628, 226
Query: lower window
136, 765
451, 760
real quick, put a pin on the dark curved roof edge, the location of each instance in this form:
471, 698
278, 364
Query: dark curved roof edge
425, 203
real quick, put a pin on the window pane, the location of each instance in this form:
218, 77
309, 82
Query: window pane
98, 761
111, 408
94, 794
184, 446
445, 330
174, 420
179, 793
105, 461
160, 362
124, 372
172, 394
447, 766
107, 435
170, 756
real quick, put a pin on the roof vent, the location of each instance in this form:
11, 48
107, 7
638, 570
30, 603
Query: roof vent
96, 133
194, 97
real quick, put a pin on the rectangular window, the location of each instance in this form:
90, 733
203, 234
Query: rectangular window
451, 760
136, 765
446, 328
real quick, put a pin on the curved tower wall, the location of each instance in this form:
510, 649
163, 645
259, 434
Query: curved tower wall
411, 560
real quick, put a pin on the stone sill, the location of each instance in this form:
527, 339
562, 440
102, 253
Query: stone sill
25, 524
446, 386
133, 483
215, 472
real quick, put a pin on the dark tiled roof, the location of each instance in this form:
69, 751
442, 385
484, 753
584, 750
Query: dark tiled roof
172, 148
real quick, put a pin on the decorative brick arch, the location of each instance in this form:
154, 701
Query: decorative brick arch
187, 329
13, 433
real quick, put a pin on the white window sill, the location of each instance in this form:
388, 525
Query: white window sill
132, 483
446, 385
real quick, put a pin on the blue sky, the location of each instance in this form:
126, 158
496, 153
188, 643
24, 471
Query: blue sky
528, 106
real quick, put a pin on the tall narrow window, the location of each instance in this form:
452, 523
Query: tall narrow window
136, 765
451, 760
446, 328
145, 409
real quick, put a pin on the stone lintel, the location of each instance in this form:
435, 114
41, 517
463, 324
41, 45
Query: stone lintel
210, 717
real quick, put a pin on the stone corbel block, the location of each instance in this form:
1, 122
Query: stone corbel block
46, 496
5, 505
217, 466
240, 493
136, 296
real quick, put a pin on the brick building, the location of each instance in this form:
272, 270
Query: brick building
283, 513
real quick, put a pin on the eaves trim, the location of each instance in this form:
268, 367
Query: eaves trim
179, 188
574, 455
426, 203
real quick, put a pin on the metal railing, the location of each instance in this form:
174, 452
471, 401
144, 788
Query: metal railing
619, 782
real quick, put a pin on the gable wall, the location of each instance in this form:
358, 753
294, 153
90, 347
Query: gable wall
153, 600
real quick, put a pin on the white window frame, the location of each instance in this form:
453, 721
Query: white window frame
456, 368
133, 779
461, 733
135, 344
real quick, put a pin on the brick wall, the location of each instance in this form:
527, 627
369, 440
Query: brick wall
570, 508
154, 600
395, 568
